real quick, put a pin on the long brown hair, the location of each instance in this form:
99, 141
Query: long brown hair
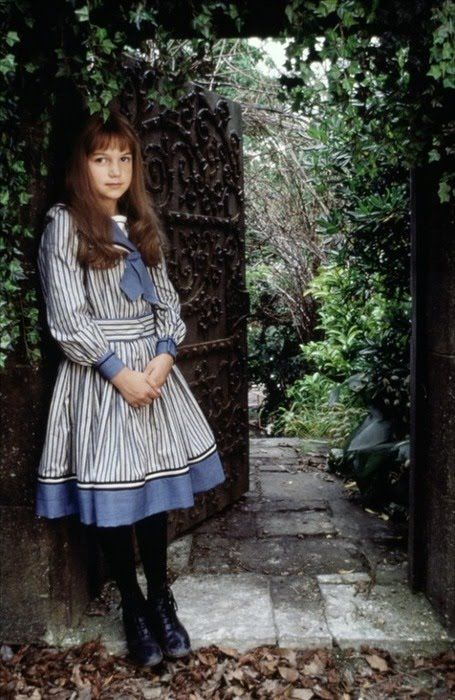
92, 223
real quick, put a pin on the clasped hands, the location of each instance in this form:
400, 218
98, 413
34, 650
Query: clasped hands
141, 388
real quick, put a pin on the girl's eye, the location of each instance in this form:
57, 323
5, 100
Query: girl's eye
100, 158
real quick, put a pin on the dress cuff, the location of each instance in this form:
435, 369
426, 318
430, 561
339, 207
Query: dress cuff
109, 364
166, 345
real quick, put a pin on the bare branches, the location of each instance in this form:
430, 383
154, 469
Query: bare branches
283, 205
283, 193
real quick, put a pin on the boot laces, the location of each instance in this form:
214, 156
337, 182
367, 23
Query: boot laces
136, 615
164, 596
166, 606
167, 599
170, 598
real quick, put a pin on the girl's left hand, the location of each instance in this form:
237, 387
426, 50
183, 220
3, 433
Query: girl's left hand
158, 369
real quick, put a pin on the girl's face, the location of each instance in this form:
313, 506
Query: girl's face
110, 171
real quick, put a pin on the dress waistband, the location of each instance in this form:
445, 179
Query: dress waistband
127, 328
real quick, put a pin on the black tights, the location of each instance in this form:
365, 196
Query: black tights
118, 548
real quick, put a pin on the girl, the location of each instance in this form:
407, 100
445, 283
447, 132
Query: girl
126, 440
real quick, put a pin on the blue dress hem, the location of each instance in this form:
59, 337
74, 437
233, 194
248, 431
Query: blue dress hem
110, 507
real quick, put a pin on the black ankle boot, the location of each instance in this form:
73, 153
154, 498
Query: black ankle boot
140, 638
171, 634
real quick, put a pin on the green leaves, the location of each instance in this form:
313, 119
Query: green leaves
202, 23
233, 12
85, 46
442, 51
7, 64
82, 14
11, 38
442, 70
446, 190
326, 7
360, 68
352, 85
140, 15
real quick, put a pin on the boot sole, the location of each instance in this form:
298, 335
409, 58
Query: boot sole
177, 656
147, 662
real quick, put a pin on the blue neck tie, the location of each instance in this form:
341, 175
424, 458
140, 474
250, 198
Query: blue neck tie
136, 279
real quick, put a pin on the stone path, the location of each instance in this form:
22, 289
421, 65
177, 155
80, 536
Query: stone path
294, 563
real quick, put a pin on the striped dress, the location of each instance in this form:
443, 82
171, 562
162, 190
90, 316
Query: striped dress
103, 459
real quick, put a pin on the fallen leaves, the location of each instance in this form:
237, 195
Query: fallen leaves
288, 674
302, 694
88, 672
383, 516
377, 662
314, 668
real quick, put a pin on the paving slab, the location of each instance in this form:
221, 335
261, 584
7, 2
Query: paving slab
298, 609
253, 483
392, 573
274, 555
297, 562
299, 487
384, 616
353, 521
235, 523
109, 629
290, 448
256, 443
254, 501
232, 610
382, 557
178, 554
308, 447
282, 466
345, 577
269, 452
297, 523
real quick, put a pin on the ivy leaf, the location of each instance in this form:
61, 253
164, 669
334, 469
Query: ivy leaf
24, 197
7, 64
107, 45
326, 7
289, 12
435, 72
82, 14
12, 38
444, 191
94, 106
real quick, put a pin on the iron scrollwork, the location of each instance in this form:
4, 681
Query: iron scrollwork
193, 159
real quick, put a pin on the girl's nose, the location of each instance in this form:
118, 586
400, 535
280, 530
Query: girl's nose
114, 169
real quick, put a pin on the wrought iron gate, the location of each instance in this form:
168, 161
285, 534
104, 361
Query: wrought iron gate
194, 172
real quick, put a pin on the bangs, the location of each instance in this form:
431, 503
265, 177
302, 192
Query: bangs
103, 140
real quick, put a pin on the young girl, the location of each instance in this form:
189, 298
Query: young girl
126, 440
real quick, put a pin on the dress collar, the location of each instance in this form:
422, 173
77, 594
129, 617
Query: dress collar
136, 280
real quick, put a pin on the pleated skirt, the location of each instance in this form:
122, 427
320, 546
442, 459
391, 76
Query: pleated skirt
111, 463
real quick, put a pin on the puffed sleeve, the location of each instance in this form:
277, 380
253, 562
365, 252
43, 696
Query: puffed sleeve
68, 315
171, 329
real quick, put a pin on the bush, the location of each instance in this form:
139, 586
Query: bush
319, 408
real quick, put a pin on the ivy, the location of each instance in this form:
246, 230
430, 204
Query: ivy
360, 39
442, 71
86, 43
442, 51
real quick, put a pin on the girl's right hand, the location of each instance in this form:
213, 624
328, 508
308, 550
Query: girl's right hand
134, 387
